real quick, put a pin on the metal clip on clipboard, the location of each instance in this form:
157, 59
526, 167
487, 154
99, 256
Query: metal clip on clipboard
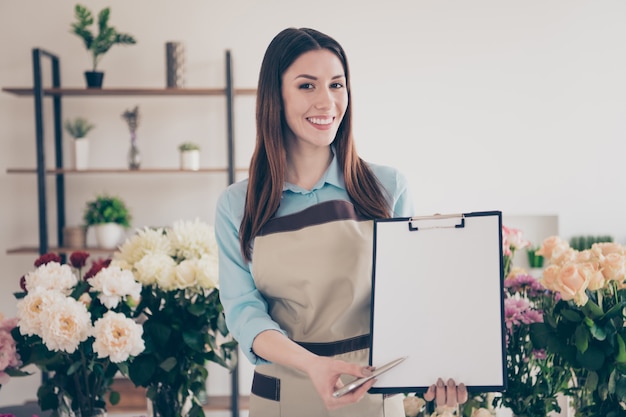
438, 221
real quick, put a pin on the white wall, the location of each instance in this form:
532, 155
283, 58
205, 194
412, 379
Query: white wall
485, 105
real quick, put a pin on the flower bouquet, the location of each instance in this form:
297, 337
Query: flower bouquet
585, 328
78, 330
534, 378
184, 326
9, 358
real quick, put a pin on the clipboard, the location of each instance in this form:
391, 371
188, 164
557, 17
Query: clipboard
437, 298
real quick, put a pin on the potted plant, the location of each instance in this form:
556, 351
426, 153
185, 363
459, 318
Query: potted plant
78, 128
98, 44
109, 216
189, 156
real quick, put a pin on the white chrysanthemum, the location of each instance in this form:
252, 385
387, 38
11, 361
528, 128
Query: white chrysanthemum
145, 242
154, 268
52, 276
67, 324
32, 309
192, 239
117, 337
114, 284
207, 272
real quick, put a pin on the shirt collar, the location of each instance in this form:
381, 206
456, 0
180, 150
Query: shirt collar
332, 176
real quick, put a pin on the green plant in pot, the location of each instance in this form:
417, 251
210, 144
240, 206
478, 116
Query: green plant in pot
98, 44
189, 156
109, 216
78, 128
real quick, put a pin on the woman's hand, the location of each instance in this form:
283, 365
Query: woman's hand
325, 373
448, 395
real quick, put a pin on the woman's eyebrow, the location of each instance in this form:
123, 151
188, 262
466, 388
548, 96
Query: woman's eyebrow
312, 77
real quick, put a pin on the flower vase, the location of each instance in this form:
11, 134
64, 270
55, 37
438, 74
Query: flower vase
96, 412
167, 402
134, 156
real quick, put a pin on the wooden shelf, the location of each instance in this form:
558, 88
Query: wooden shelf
133, 399
99, 92
33, 250
122, 171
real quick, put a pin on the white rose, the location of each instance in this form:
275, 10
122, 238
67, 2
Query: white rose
31, 310
186, 272
207, 272
413, 405
114, 284
117, 337
52, 276
67, 324
482, 412
150, 268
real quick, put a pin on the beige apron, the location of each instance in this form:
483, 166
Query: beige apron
314, 269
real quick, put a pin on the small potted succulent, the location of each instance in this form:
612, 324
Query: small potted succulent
78, 128
189, 156
98, 44
109, 217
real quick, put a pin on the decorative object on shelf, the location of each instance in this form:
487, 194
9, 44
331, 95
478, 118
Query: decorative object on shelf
109, 216
585, 328
175, 64
184, 326
132, 119
77, 329
100, 44
78, 128
189, 156
74, 237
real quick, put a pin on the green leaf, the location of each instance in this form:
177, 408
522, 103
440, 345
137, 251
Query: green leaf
196, 309
591, 383
582, 338
591, 309
114, 397
194, 340
168, 364
592, 359
621, 350
598, 332
142, 369
571, 315
615, 311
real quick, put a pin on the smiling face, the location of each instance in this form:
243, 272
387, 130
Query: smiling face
315, 98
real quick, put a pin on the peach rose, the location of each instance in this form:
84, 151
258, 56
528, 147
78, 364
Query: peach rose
609, 247
550, 275
572, 283
614, 267
592, 271
552, 246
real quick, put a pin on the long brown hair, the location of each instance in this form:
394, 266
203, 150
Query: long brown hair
269, 160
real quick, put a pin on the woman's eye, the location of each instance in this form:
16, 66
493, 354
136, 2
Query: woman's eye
306, 86
336, 85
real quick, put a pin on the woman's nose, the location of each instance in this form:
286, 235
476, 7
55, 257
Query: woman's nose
324, 99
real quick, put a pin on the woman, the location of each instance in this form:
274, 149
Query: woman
295, 239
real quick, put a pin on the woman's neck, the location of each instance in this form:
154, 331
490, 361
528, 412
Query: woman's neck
306, 167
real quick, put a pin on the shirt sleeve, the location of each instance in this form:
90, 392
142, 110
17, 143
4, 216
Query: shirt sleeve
402, 205
245, 308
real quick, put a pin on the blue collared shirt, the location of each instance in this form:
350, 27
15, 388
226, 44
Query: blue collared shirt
245, 308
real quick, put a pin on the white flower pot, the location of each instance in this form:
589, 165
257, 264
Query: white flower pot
190, 160
108, 235
81, 153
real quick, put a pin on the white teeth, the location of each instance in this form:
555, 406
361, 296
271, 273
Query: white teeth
321, 121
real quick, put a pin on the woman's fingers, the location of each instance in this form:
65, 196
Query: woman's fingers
451, 394
440, 393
